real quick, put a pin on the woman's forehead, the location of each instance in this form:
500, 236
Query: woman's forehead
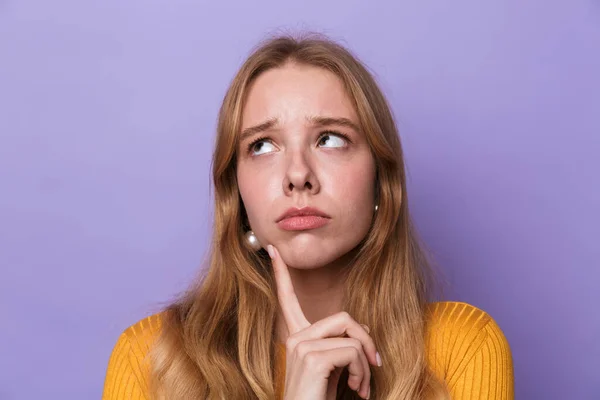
296, 94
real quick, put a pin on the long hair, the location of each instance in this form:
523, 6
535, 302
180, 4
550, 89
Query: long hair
218, 339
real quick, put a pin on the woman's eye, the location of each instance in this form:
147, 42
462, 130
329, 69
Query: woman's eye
261, 147
264, 145
332, 140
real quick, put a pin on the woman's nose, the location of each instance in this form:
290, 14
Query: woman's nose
300, 176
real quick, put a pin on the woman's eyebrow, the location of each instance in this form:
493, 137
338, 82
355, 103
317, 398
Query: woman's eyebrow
318, 121
327, 121
263, 126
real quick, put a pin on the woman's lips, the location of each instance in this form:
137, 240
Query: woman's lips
302, 222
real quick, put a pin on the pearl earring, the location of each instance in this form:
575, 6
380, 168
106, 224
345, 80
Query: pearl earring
252, 241
376, 207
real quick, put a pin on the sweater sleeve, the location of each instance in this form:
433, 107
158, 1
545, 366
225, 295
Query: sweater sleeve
124, 378
488, 372
128, 370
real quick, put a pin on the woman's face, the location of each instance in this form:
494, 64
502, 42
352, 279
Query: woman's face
312, 154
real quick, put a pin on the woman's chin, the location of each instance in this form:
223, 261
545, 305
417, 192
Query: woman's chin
305, 264
308, 259
311, 252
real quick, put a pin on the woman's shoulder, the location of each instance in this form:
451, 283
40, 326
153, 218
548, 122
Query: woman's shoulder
464, 343
128, 367
136, 340
461, 323
456, 315
145, 330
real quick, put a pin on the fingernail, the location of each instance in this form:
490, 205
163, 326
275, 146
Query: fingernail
366, 328
369, 393
271, 251
378, 357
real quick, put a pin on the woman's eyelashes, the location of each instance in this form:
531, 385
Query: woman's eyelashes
328, 139
256, 145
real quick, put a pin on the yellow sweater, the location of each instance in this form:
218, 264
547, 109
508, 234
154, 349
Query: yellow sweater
464, 345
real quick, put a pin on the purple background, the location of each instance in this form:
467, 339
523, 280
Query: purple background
107, 117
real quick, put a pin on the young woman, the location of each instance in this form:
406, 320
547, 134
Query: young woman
317, 287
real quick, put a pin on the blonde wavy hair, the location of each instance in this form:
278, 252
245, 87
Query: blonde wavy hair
218, 339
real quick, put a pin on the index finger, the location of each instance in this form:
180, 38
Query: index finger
292, 312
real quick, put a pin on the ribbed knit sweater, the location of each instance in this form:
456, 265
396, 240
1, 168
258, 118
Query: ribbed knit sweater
464, 347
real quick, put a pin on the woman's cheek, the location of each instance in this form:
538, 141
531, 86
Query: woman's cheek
264, 193
353, 180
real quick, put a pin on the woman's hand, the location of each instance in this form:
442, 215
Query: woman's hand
317, 353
